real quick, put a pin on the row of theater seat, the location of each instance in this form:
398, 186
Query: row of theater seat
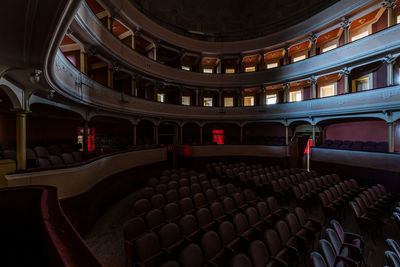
334, 198
303, 187
233, 237
59, 156
257, 176
342, 248
369, 206
308, 190
356, 145
222, 207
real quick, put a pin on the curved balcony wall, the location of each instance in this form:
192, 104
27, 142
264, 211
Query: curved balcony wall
90, 31
72, 182
72, 84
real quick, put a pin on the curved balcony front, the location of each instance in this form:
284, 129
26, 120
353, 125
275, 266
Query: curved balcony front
68, 81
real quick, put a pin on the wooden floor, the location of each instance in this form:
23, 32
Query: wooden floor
106, 238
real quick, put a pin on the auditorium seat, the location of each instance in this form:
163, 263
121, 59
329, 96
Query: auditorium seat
54, 150
173, 185
341, 249
164, 180
347, 237
68, 158
275, 208
195, 188
171, 239
41, 152
172, 196
186, 205
318, 261
393, 246
218, 213
155, 220
192, 256
189, 228
330, 255
132, 229
276, 249
265, 213
147, 251
308, 223
172, 212
199, 200
213, 250
243, 228
240, 201
240, 260
141, 207
184, 182
392, 259
153, 182
205, 220
230, 205
221, 192
296, 228
364, 222
229, 237
147, 192
287, 238
43, 163
30, 158
255, 221
184, 191
260, 257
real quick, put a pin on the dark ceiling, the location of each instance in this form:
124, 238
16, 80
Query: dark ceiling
229, 20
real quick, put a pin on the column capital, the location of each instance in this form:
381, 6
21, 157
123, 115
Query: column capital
115, 67
286, 86
345, 24
345, 71
312, 80
389, 59
312, 37
286, 48
388, 3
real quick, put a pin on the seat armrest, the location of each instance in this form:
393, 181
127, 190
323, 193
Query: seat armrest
346, 261
299, 238
348, 235
209, 263
166, 252
279, 261
292, 249
354, 251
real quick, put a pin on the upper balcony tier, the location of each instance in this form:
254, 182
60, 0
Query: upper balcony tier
126, 11
91, 32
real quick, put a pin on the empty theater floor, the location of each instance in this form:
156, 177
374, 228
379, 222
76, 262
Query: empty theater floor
107, 242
